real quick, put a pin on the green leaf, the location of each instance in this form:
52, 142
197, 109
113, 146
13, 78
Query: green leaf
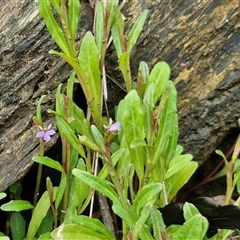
167, 111
71, 137
93, 224
189, 210
132, 121
59, 101
79, 118
125, 159
49, 163
72, 199
60, 191
120, 110
46, 225
88, 143
98, 137
16, 205
157, 222
136, 30
125, 215
16, 189
118, 31
89, 61
146, 196
102, 186
148, 95
74, 231
178, 151
238, 186
45, 236
2, 195
17, 226
143, 73
237, 172
128, 180
71, 211
220, 153
4, 238
52, 26
170, 151
49, 186
99, 29
159, 75
56, 5
137, 143
38, 214
74, 160
176, 181
74, 8
124, 65
109, 15
148, 109
196, 226
140, 224
130, 218
140, 87
177, 164
82, 188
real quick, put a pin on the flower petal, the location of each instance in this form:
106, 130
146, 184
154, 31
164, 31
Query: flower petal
114, 127
46, 138
41, 134
50, 132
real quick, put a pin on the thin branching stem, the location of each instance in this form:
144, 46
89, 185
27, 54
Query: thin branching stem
39, 173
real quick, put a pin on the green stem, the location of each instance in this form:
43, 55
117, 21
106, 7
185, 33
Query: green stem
230, 186
39, 174
116, 182
67, 155
54, 212
68, 173
64, 164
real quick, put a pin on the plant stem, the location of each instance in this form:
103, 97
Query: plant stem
230, 185
123, 199
64, 164
116, 182
39, 174
68, 173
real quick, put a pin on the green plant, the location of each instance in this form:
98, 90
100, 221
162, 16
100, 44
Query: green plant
143, 166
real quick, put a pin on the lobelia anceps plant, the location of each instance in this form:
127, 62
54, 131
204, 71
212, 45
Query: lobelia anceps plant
137, 150
142, 166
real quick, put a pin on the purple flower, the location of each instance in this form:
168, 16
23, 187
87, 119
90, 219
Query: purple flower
112, 127
46, 133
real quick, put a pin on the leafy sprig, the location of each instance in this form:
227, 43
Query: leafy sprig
143, 167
